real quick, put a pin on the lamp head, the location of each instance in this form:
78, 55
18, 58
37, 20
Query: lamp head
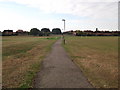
63, 19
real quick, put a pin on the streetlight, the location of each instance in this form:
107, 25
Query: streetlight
64, 24
64, 30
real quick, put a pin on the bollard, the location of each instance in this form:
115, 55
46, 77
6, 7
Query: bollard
64, 41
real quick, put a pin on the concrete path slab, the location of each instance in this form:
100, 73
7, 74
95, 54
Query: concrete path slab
58, 71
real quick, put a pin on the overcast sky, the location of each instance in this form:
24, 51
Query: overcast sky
79, 14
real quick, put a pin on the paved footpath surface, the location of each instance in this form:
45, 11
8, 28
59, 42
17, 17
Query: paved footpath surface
58, 71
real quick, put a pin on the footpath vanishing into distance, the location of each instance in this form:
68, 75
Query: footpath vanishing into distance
58, 71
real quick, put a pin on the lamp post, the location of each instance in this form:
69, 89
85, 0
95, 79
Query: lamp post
64, 24
64, 30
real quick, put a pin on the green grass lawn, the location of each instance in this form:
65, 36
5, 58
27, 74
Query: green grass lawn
97, 57
22, 56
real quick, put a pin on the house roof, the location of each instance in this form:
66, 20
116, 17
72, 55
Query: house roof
8, 31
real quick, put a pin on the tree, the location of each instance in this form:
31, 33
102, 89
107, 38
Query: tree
35, 32
56, 31
45, 31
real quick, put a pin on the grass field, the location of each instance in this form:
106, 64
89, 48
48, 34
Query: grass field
97, 57
21, 59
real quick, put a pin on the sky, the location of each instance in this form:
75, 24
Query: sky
79, 14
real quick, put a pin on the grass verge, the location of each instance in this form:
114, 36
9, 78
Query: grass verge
97, 57
22, 59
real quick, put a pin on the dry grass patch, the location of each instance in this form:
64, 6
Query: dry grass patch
22, 59
97, 57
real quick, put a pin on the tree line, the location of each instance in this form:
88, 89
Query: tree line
44, 31
33, 31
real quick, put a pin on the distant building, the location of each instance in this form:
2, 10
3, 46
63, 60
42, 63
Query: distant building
93, 33
88, 32
7, 33
74, 33
21, 32
96, 29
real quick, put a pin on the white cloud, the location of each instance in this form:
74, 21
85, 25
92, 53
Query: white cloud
75, 7
97, 11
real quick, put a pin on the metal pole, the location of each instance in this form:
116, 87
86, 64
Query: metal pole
64, 25
64, 30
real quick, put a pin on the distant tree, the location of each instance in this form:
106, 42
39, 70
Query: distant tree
45, 31
0, 33
35, 32
56, 31
40, 33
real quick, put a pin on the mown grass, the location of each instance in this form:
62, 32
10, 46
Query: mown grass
22, 58
97, 57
